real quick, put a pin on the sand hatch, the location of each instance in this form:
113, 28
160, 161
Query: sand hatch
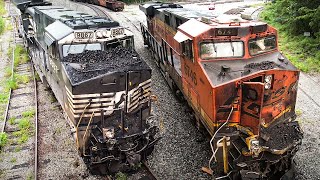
91, 64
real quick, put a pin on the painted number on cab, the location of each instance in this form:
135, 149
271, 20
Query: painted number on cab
190, 73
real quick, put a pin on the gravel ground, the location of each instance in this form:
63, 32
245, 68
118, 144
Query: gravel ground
58, 157
182, 151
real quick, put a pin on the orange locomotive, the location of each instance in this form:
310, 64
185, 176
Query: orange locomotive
241, 88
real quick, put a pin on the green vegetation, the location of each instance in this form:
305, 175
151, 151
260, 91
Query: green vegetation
12, 120
121, 176
292, 18
2, 25
11, 84
2, 21
2, 8
13, 160
7, 72
24, 123
3, 139
28, 114
3, 98
17, 149
30, 176
22, 78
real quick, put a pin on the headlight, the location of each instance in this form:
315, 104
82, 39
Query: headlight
106, 33
267, 85
268, 78
267, 81
99, 34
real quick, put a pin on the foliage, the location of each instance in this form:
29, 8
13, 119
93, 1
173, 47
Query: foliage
121, 176
2, 25
3, 98
24, 123
7, 72
22, 78
12, 120
11, 83
292, 18
3, 139
29, 113
2, 8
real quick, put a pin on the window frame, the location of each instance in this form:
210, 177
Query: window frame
250, 40
219, 41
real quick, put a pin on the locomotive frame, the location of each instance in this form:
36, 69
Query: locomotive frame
108, 112
240, 97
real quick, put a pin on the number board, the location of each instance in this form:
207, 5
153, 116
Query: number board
117, 31
227, 32
83, 35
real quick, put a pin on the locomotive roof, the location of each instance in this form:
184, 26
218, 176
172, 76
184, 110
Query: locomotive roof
74, 19
205, 16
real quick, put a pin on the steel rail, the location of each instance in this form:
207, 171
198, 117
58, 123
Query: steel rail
150, 173
96, 9
12, 71
36, 123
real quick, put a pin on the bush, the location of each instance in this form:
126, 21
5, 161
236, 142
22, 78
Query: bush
3, 139
292, 18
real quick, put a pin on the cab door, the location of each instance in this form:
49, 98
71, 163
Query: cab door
251, 105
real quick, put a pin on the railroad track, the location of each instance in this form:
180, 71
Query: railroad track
148, 173
100, 11
19, 155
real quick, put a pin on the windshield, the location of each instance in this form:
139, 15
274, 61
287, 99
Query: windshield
209, 50
261, 45
79, 48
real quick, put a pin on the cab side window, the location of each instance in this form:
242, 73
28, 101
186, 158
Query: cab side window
187, 49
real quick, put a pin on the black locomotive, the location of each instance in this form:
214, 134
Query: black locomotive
100, 81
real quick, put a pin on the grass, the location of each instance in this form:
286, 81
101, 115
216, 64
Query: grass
11, 84
2, 25
22, 135
302, 51
12, 120
23, 138
22, 78
7, 72
24, 123
53, 98
2, 8
30, 176
3, 139
121, 176
13, 160
17, 149
28, 114
298, 112
3, 98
